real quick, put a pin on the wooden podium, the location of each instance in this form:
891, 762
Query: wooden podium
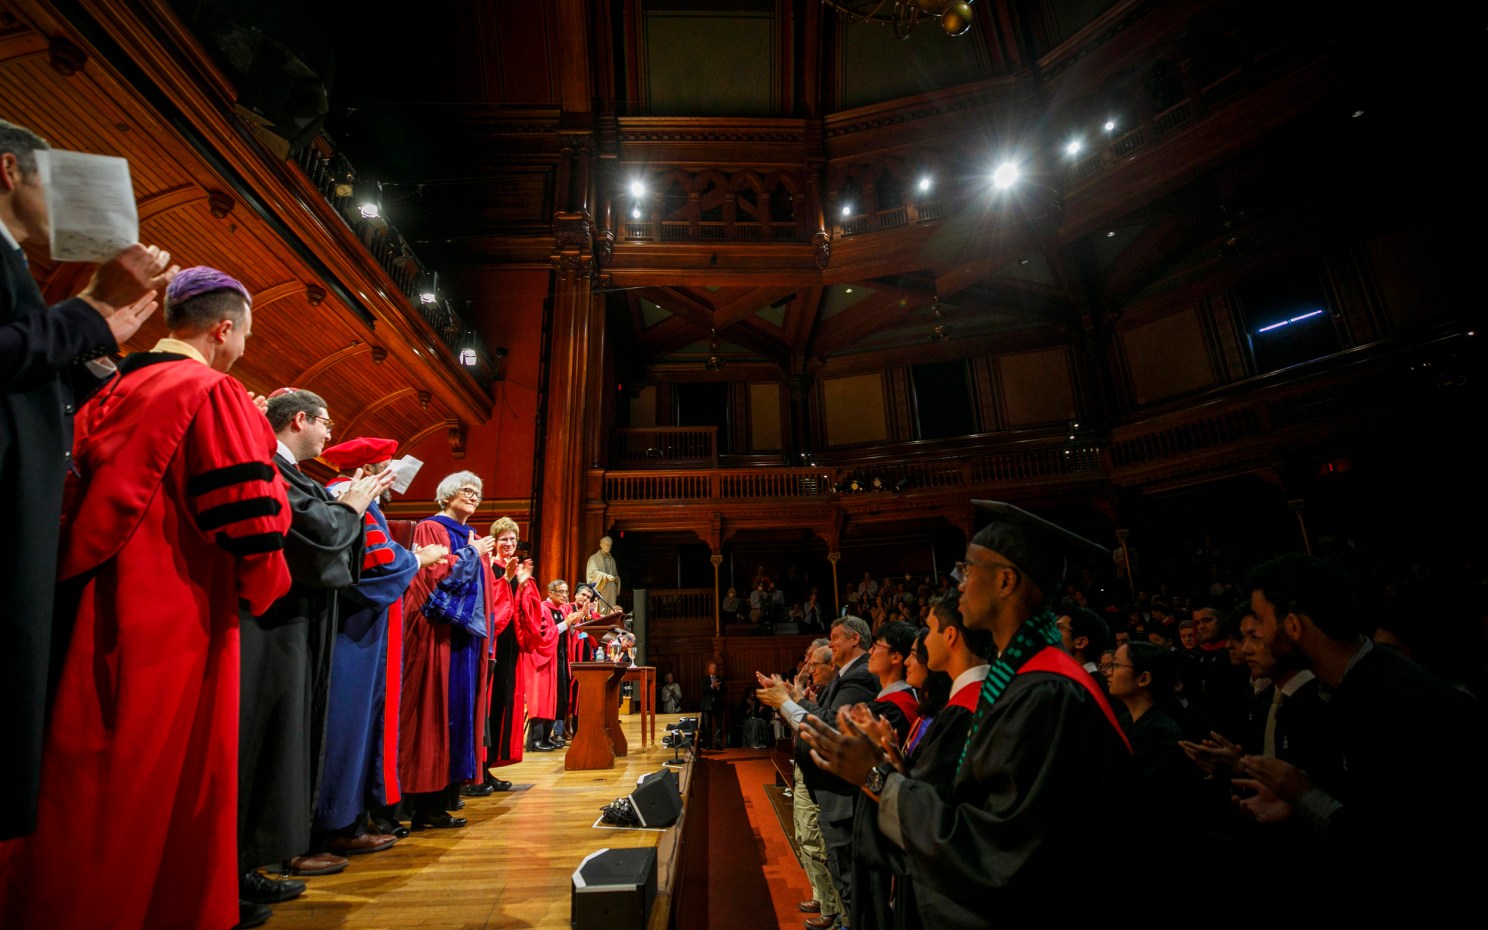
599, 738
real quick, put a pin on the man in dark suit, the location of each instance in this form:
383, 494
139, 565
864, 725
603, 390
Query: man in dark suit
710, 704
853, 684
50, 359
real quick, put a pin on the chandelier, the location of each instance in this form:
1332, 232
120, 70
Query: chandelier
904, 15
715, 361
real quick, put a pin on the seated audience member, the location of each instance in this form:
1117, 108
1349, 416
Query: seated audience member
1188, 637
757, 733
729, 606
1399, 806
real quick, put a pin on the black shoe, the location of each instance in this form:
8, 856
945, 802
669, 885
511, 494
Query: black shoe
389, 827
252, 915
477, 791
259, 889
541, 746
437, 819
499, 785
459, 805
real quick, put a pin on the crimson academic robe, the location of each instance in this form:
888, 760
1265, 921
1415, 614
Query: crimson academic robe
517, 609
286, 661
424, 717
176, 513
40, 347
540, 664
361, 754
1046, 780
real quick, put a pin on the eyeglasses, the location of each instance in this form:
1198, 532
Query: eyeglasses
958, 573
470, 493
330, 424
1118, 665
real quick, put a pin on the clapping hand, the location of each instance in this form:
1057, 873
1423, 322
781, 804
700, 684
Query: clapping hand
1215, 755
849, 752
428, 555
772, 690
124, 289
364, 489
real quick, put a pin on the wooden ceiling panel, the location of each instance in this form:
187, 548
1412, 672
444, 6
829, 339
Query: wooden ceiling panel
94, 110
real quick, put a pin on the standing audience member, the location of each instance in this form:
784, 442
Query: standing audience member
710, 706
1046, 771
175, 512
1410, 746
50, 360
834, 797
671, 695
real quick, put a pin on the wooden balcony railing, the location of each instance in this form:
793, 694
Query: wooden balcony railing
665, 447
679, 604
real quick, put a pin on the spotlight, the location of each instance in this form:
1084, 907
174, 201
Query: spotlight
1111, 234
467, 357
637, 189
370, 210
1074, 147
847, 290
924, 184
847, 209
428, 297
635, 210
1006, 175
1110, 125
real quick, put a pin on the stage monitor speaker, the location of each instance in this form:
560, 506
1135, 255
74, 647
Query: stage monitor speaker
638, 610
613, 890
657, 799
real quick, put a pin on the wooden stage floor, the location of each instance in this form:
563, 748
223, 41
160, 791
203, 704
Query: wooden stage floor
511, 867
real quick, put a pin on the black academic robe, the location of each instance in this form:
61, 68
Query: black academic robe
880, 872
286, 675
1046, 780
41, 381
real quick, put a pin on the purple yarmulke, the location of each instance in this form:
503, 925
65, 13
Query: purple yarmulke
191, 282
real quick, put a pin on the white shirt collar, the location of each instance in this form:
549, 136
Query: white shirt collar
975, 674
8, 236
900, 685
1295, 683
283, 452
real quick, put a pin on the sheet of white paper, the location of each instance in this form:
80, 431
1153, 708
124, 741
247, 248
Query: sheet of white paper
405, 468
90, 202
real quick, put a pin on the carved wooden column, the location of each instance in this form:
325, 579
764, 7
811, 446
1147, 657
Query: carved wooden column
577, 314
717, 559
834, 557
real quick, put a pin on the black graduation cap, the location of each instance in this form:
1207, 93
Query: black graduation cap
1043, 550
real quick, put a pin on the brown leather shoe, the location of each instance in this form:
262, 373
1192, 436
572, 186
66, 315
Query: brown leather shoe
824, 922
356, 845
318, 864
810, 907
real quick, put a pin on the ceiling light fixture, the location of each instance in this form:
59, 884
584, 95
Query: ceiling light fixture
1074, 147
1005, 176
924, 184
715, 361
1110, 125
637, 189
954, 17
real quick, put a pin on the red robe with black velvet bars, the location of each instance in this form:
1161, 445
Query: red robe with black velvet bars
175, 515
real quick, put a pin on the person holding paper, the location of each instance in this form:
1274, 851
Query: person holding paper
361, 747
174, 513
50, 359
